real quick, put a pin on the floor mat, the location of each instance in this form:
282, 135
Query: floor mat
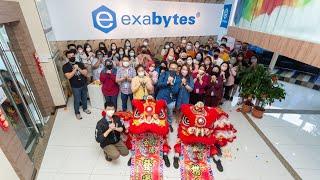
147, 160
195, 162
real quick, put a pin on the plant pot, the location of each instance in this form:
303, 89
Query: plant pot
246, 107
257, 112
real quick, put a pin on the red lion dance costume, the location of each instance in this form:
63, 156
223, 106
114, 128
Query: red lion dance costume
201, 133
147, 138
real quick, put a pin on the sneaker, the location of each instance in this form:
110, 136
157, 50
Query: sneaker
218, 164
129, 162
176, 162
87, 111
166, 160
171, 129
78, 116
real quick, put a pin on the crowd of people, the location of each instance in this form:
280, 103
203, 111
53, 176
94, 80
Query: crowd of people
187, 72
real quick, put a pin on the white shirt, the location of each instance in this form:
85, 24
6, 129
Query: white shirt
96, 72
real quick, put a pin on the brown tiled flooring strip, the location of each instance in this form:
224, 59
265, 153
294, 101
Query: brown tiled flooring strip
43, 142
283, 161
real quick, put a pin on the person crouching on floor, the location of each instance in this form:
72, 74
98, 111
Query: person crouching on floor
108, 132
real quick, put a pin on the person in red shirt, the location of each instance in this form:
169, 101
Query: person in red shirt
110, 89
201, 81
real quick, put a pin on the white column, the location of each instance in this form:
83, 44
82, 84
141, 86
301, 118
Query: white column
273, 61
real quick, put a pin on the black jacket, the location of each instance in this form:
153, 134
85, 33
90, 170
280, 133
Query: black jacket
113, 137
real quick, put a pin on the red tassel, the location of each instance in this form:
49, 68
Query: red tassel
104, 114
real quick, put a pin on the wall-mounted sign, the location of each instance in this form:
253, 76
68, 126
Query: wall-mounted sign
112, 19
225, 15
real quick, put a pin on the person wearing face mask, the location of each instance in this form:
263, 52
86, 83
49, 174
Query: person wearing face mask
110, 88
141, 85
103, 48
224, 53
127, 47
168, 86
224, 41
121, 52
144, 57
80, 56
88, 60
145, 48
228, 73
162, 67
214, 92
196, 46
108, 134
201, 80
77, 73
236, 49
206, 51
216, 59
196, 65
208, 65
170, 56
113, 50
190, 50
132, 58
97, 64
186, 86
199, 57
183, 42
124, 78
254, 61
165, 49
153, 74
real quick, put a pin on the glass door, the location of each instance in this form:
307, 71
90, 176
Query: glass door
20, 105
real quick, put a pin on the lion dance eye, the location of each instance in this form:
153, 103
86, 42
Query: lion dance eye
136, 114
185, 121
162, 114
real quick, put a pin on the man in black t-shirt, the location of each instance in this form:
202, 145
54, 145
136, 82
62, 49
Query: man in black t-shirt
76, 73
108, 132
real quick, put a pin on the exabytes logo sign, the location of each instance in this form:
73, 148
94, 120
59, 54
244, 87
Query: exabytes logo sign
105, 20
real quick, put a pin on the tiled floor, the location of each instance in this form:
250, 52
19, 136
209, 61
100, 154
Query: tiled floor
73, 154
296, 136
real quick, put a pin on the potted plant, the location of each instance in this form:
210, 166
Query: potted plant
266, 91
247, 79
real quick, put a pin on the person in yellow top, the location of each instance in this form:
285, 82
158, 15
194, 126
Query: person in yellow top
224, 53
141, 85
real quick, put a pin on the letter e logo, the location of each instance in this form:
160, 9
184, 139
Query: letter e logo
104, 19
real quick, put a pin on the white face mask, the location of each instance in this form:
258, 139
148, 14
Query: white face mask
126, 64
184, 41
189, 61
166, 46
113, 48
151, 68
198, 57
88, 49
170, 58
197, 45
128, 44
110, 113
132, 54
189, 47
140, 74
145, 43
80, 50
121, 52
164, 52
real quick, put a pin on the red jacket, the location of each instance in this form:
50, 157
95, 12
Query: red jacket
109, 85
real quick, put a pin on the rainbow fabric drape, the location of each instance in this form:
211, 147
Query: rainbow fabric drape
250, 9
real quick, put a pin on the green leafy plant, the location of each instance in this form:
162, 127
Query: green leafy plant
261, 85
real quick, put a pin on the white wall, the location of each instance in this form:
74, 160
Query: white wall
6, 170
33, 21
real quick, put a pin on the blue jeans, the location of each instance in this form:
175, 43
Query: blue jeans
171, 107
80, 94
124, 99
112, 99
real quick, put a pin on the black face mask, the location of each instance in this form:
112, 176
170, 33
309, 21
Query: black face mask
172, 73
215, 56
205, 51
109, 66
163, 68
215, 74
72, 59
